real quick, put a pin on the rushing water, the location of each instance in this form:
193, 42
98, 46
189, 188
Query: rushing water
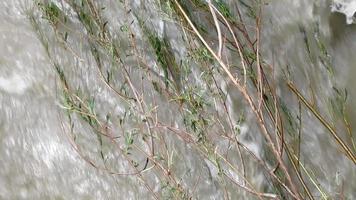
37, 161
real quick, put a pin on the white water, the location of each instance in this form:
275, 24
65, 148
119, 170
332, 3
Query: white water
347, 7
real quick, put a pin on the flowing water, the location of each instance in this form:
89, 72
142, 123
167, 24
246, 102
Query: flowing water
37, 160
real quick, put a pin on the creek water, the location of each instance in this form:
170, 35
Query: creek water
37, 161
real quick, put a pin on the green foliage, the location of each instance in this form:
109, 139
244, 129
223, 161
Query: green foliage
129, 140
194, 88
251, 11
202, 54
51, 12
165, 57
224, 9
324, 55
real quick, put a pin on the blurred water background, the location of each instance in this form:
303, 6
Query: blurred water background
38, 161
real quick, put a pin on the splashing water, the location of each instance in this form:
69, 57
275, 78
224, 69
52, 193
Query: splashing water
347, 7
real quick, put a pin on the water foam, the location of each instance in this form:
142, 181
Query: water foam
347, 7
